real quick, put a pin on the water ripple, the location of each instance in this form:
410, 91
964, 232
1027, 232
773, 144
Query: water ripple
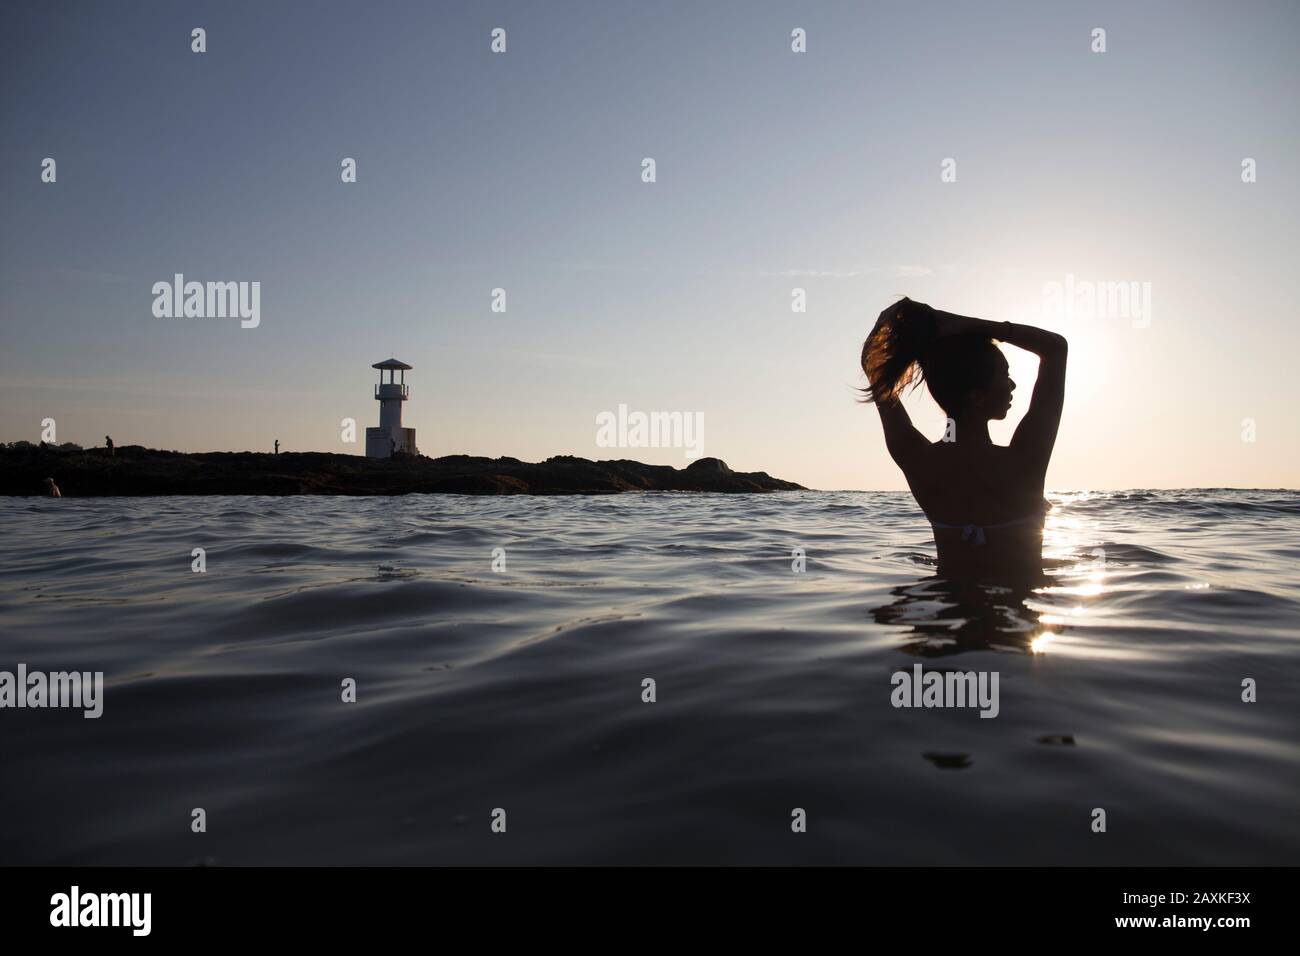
500, 645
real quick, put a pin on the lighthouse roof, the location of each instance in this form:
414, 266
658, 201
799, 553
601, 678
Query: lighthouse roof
391, 363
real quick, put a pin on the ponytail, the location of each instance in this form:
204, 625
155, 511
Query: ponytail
892, 353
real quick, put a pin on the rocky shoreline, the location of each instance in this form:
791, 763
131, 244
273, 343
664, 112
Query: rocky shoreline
134, 470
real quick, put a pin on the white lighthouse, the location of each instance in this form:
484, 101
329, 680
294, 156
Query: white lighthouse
390, 437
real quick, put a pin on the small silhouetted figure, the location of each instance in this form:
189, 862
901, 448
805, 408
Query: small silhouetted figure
108, 440
277, 446
52, 489
394, 441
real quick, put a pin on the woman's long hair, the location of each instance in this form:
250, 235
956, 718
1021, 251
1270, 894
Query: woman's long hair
903, 350
892, 353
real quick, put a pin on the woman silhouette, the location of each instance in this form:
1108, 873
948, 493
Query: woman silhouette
984, 501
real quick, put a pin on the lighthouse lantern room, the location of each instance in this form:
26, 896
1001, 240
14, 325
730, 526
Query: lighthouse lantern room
390, 437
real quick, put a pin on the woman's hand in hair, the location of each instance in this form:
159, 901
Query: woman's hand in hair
900, 338
915, 320
905, 309
948, 323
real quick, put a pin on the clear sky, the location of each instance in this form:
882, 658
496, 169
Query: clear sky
775, 170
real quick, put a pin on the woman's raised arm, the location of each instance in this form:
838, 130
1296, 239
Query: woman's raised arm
1036, 434
889, 361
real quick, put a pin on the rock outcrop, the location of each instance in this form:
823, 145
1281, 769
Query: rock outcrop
134, 470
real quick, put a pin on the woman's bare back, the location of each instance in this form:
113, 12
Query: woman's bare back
990, 520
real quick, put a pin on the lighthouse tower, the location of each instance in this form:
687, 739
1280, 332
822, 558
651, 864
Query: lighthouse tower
390, 437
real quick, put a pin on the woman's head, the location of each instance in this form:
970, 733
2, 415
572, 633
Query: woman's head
967, 374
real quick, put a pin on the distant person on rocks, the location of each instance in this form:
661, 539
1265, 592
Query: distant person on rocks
108, 440
277, 446
52, 489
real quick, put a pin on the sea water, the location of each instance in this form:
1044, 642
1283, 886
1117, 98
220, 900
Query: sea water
646, 678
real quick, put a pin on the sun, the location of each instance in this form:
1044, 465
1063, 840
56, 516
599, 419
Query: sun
1092, 354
